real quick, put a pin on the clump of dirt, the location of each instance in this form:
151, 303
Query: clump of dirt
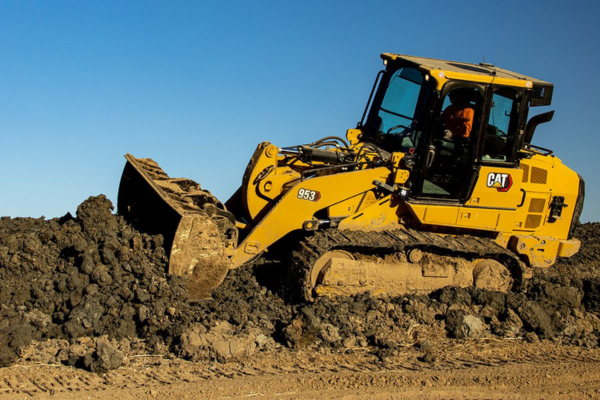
581, 271
93, 285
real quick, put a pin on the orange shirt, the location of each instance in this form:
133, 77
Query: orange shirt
458, 120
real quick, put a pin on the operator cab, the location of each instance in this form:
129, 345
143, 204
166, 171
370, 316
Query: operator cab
450, 119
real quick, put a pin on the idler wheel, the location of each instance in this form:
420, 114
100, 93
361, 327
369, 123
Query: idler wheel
317, 272
492, 275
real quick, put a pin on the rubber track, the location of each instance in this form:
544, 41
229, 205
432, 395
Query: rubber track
387, 242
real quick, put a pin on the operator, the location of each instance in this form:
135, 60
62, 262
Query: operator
457, 118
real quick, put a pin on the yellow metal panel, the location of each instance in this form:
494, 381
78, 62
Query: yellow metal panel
478, 218
435, 214
353, 136
442, 215
442, 77
498, 188
491, 206
548, 178
346, 207
531, 215
382, 213
539, 251
263, 159
401, 176
300, 204
567, 248
446, 69
368, 200
506, 221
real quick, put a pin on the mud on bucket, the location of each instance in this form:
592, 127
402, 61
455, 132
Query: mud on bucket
156, 204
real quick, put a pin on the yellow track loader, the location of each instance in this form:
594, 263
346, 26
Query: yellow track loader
438, 185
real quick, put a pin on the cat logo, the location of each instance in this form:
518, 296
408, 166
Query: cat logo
502, 182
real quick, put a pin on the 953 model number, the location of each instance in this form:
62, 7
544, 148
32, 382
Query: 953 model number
307, 194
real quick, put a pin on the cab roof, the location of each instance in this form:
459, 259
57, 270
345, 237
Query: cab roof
443, 70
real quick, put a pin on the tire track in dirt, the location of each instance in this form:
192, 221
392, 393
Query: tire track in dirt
467, 364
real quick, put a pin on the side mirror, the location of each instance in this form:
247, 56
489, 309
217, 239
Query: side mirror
534, 122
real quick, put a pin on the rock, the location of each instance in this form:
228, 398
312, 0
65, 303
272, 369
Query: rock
192, 344
473, 326
262, 340
464, 326
293, 332
236, 348
537, 319
12, 340
107, 357
220, 343
428, 349
330, 334
591, 299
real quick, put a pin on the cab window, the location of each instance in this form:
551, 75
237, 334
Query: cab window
400, 102
502, 126
394, 122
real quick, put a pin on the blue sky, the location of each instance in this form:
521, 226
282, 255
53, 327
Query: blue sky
196, 85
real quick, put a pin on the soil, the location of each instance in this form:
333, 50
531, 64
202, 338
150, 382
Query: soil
86, 308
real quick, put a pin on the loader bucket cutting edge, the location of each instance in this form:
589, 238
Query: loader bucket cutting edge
156, 204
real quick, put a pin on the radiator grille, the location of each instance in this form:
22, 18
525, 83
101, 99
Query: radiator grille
525, 169
537, 205
533, 221
539, 175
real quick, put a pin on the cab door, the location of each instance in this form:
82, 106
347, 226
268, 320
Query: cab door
497, 194
474, 182
447, 169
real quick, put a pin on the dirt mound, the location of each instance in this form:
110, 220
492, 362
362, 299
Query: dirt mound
94, 275
96, 285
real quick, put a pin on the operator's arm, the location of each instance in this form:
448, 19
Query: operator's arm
464, 123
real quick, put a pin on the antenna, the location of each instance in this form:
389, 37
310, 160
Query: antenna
505, 33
